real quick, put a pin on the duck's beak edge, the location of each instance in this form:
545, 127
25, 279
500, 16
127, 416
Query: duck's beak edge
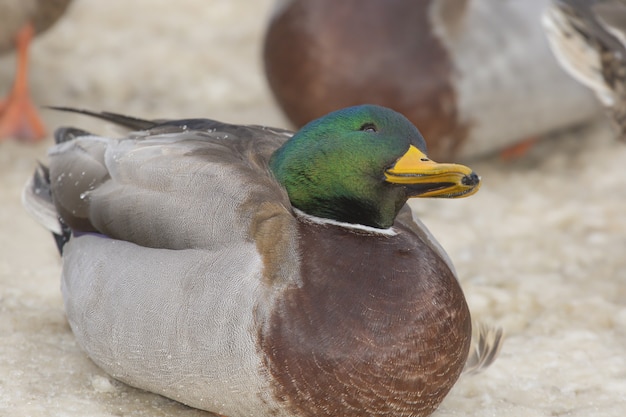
423, 177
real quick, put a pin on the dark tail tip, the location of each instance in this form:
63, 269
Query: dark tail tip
66, 134
63, 238
37, 199
128, 122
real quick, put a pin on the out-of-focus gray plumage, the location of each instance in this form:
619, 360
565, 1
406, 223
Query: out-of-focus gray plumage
589, 39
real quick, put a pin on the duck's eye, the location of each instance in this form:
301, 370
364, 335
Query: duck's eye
368, 127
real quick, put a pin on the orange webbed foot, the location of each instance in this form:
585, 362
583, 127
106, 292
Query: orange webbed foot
519, 149
19, 119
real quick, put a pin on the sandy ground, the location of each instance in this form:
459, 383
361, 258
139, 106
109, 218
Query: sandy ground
539, 250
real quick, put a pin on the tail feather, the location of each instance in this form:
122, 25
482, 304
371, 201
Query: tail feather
37, 200
67, 134
486, 344
129, 122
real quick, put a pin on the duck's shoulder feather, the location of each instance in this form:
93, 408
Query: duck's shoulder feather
181, 184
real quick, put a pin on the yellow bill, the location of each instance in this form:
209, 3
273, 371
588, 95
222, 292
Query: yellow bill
426, 178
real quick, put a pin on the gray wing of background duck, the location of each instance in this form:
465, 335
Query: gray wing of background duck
503, 61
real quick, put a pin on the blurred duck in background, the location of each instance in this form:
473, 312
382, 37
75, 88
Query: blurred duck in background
475, 76
588, 38
20, 21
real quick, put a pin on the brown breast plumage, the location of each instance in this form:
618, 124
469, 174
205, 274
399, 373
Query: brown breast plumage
378, 327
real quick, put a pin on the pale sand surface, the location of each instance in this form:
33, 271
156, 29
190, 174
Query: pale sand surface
540, 250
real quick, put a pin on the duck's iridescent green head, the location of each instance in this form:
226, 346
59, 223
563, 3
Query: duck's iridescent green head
361, 164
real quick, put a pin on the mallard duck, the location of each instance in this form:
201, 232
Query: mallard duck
475, 76
247, 270
20, 20
589, 39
